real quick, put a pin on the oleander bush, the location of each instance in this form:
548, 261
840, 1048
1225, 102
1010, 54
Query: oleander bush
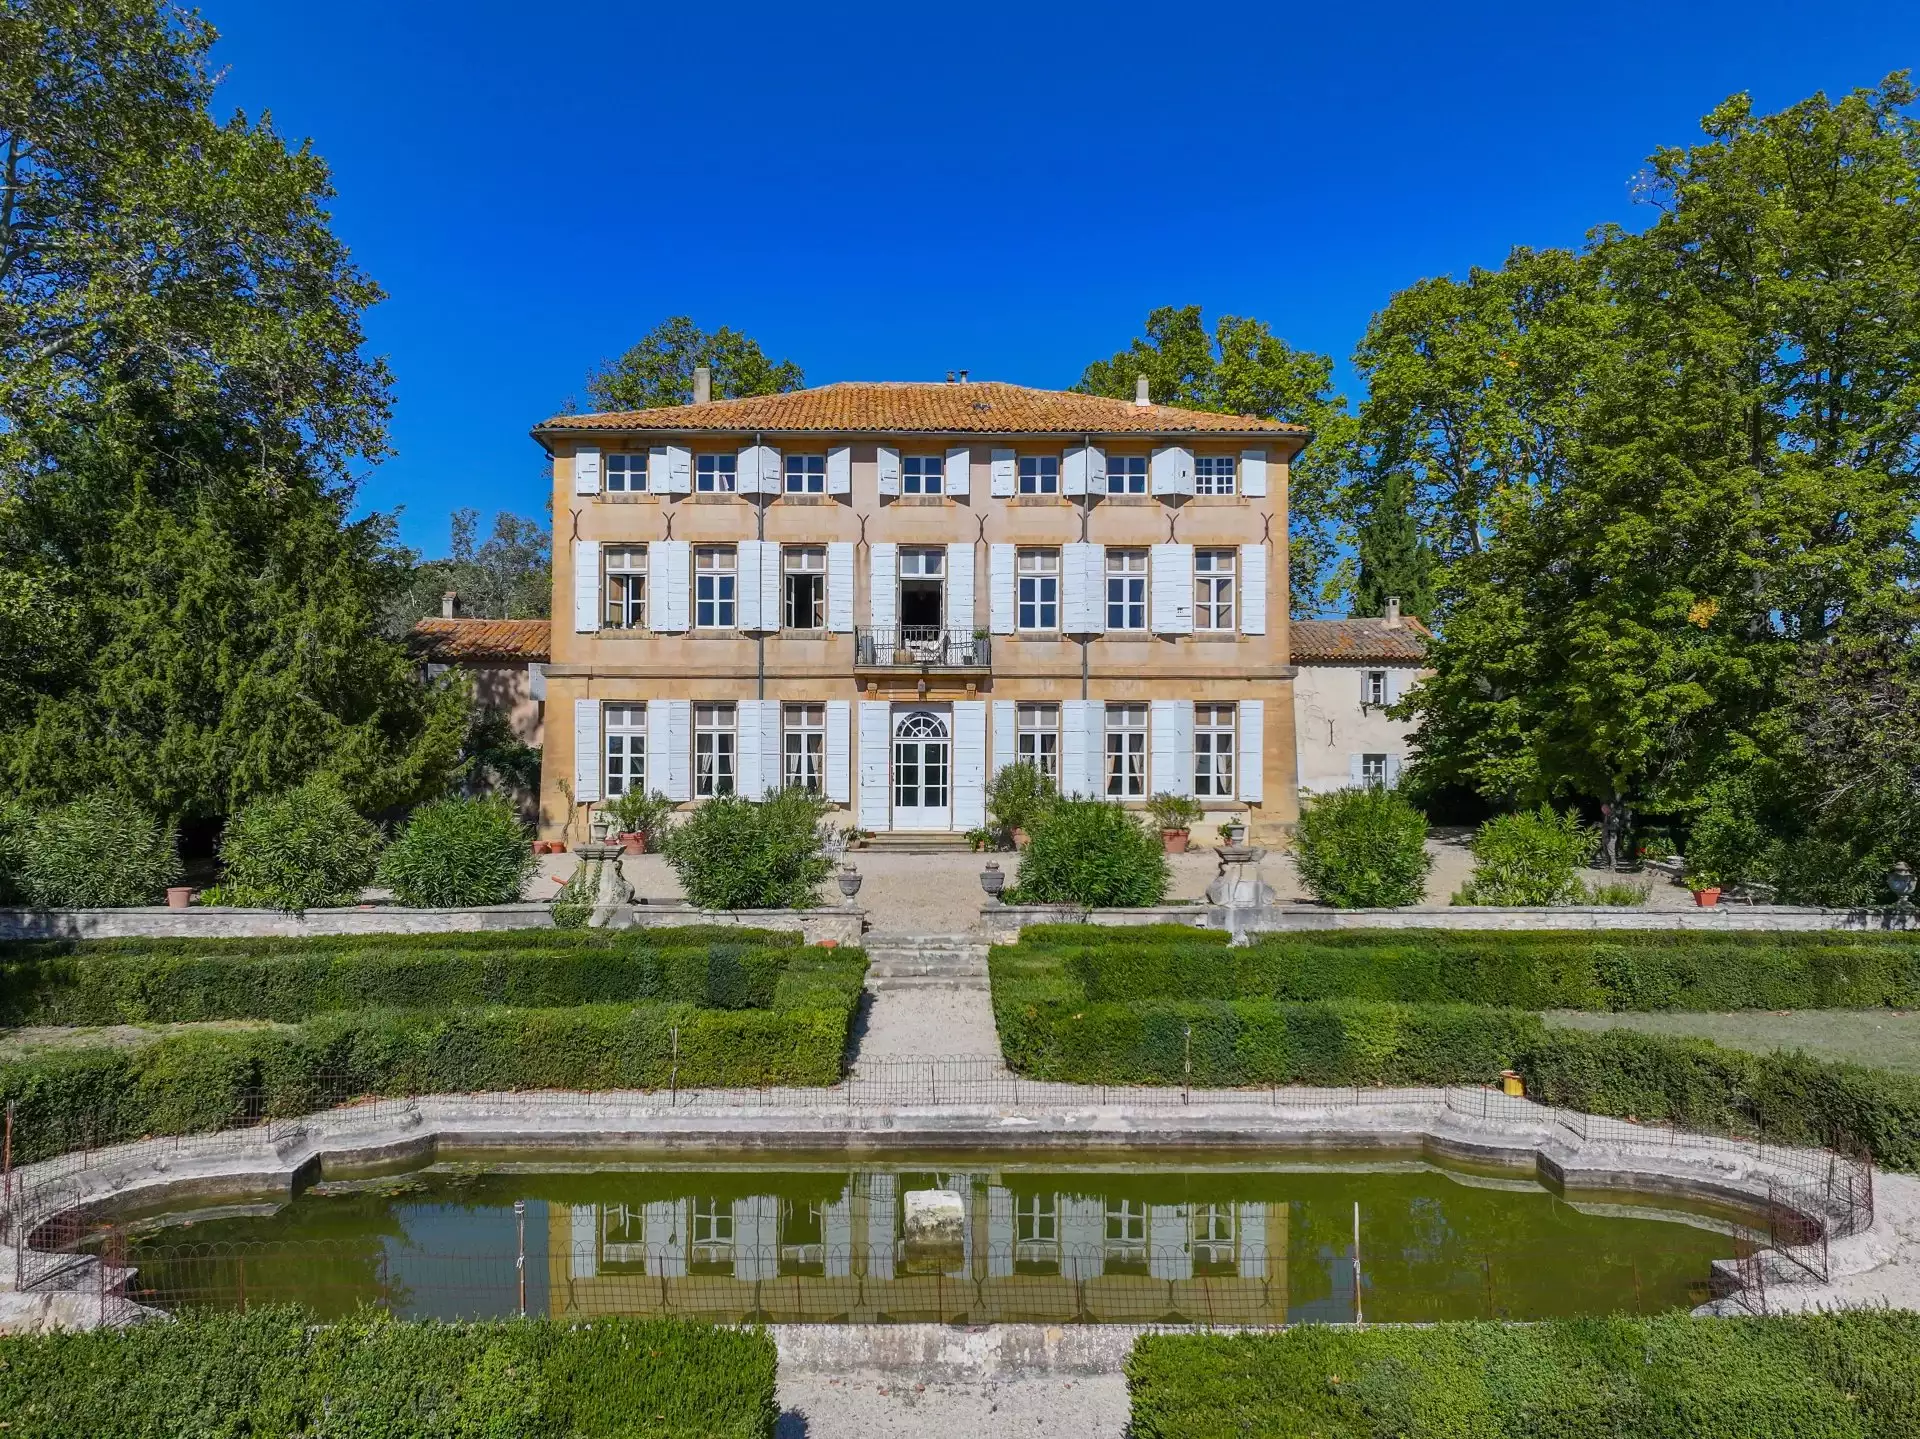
1851, 1375
1362, 848
1529, 858
1017, 796
278, 1371
456, 853
305, 849
734, 853
1092, 853
104, 851
16, 824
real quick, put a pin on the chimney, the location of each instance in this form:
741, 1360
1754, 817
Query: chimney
450, 605
702, 384
1392, 620
1141, 394
963, 377
949, 377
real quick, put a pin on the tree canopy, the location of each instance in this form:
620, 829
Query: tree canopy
659, 369
507, 576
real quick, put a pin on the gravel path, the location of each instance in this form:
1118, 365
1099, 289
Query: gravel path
865, 1405
918, 1023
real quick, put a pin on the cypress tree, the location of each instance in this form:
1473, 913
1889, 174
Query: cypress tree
1393, 561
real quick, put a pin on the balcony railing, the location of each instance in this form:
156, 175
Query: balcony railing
915, 647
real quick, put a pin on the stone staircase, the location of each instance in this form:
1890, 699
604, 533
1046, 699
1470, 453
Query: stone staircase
925, 961
907, 841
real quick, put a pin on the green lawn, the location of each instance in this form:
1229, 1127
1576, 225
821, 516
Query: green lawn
1883, 1038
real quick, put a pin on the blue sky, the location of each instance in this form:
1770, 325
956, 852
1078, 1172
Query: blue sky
894, 191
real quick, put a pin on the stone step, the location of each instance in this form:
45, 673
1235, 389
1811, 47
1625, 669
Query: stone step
951, 983
914, 842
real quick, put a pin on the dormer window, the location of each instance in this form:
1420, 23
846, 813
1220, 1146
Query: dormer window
626, 474
1213, 474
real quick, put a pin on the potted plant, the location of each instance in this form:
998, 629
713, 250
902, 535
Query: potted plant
1175, 815
979, 839
640, 820
1705, 883
853, 837
1233, 832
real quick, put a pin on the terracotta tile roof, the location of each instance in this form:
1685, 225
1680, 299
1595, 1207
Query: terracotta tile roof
471, 641
898, 407
1358, 640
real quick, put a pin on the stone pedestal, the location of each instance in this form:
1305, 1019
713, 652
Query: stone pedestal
611, 892
1239, 885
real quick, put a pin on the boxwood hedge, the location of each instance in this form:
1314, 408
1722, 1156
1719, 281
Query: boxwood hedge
273, 1371
1826, 1376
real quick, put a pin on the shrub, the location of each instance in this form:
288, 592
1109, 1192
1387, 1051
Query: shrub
278, 1370
304, 849
1362, 849
458, 852
1618, 893
1174, 811
101, 852
1671, 1376
16, 827
734, 853
1094, 854
1016, 798
643, 814
1528, 858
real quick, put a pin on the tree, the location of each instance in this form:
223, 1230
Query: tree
1243, 368
508, 576
1393, 561
185, 407
659, 369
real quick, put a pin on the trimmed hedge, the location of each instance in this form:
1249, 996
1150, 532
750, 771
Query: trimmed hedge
175, 981
274, 1371
1828, 1376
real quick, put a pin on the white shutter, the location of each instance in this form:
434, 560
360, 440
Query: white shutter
766, 470
1083, 580
670, 580
1393, 770
1094, 722
1355, 775
1096, 470
586, 751
659, 747
1000, 611
969, 764
1170, 746
746, 584
664, 1233
839, 751
586, 586
679, 785
876, 745
959, 476
889, 463
1000, 1232
1172, 470
1004, 723
1253, 589
658, 474
840, 587
1251, 736
586, 470
840, 470
746, 471
1253, 474
769, 579
1084, 471
1172, 589
1183, 740
1252, 1231
1004, 474
960, 589
883, 588
1076, 764
749, 782
679, 470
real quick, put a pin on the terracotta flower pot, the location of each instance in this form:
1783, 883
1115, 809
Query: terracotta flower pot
1174, 840
180, 896
633, 842
1707, 898
828, 944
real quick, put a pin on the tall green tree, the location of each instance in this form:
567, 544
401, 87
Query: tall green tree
185, 408
1241, 367
659, 369
1393, 562
506, 576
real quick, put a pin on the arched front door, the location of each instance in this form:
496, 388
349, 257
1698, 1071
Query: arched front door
922, 772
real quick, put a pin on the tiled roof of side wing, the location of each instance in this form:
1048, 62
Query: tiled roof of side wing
978, 407
469, 641
1366, 639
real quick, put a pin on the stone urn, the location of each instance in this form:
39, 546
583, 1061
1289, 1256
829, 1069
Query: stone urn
992, 880
849, 879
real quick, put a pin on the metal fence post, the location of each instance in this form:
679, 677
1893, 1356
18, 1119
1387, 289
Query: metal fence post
1186, 1071
520, 1251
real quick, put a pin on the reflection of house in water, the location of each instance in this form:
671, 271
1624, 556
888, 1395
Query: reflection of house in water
1029, 1251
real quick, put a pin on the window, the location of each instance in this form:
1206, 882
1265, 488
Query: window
626, 749
806, 474
1127, 751
1039, 575
627, 474
1213, 1234
1373, 689
1126, 589
626, 588
712, 1222
806, 586
1213, 474
922, 564
716, 474
1127, 1222
1126, 474
1373, 769
923, 475
1213, 751
1213, 589
1036, 1218
713, 576
1039, 474
805, 747
712, 750
1037, 739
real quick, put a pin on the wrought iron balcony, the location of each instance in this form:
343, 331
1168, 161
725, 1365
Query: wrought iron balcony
919, 647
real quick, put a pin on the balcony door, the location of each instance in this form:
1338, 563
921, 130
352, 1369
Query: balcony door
922, 770
922, 601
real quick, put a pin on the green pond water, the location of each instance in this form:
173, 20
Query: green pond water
1198, 1239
